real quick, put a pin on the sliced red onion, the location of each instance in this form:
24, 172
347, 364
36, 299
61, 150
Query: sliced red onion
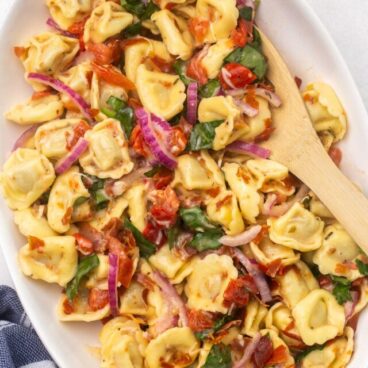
277, 211
166, 321
249, 148
163, 124
237, 92
244, 238
192, 102
113, 283
270, 96
63, 88
157, 147
51, 23
256, 273
25, 137
172, 296
246, 108
67, 162
269, 203
248, 352
226, 75
350, 305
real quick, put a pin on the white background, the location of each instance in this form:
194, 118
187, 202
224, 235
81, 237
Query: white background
348, 25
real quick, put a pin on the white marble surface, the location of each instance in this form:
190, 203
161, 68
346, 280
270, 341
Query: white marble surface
347, 23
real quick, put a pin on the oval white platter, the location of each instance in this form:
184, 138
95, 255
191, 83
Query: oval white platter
311, 55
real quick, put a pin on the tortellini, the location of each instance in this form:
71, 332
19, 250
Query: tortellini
219, 108
326, 111
254, 317
53, 260
245, 191
175, 33
51, 139
318, 317
297, 282
68, 12
31, 223
337, 248
123, 344
136, 53
222, 15
98, 277
214, 59
336, 354
176, 346
107, 155
136, 197
298, 229
207, 283
49, 53
36, 111
133, 300
26, 175
318, 208
160, 93
107, 20
224, 210
67, 189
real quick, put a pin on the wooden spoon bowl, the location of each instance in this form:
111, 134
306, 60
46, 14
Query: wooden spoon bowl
296, 145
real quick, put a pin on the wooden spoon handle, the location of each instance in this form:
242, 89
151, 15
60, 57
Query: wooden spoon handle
335, 190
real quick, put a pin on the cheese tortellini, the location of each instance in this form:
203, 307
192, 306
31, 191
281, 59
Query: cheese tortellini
326, 111
254, 318
53, 259
318, 317
298, 229
136, 196
175, 33
176, 346
223, 16
208, 281
107, 20
107, 155
36, 111
67, 189
161, 94
26, 175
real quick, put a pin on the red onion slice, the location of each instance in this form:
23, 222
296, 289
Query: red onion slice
63, 88
269, 203
52, 24
113, 283
246, 108
150, 136
226, 75
244, 238
256, 273
350, 305
192, 102
249, 351
172, 296
25, 136
270, 96
163, 124
67, 162
249, 148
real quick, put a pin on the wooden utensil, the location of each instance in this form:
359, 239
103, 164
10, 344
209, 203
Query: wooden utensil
296, 145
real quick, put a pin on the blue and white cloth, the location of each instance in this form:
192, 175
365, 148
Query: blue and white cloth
20, 347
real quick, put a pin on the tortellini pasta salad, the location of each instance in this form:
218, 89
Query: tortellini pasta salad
142, 190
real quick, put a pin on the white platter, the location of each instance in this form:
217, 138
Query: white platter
310, 53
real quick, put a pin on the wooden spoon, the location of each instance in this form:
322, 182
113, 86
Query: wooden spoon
296, 145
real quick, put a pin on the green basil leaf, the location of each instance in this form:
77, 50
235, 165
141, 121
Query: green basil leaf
132, 30
341, 290
300, 356
246, 13
202, 135
257, 40
341, 280
180, 68
85, 266
138, 8
79, 201
126, 118
116, 103
207, 240
97, 183
202, 335
100, 196
210, 89
149, 10
195, 219
146, 248
172, 235
362, 267
109, 113
219, 357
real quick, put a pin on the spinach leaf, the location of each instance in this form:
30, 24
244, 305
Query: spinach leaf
207, 240
138, 8
195, 219
122, 112
246, 13
341, 290
202, 335
101, 199
219, 357
85, 266
250, 57
210, 89
300, 356
202, 135
180, 68
146, 248
362, 267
